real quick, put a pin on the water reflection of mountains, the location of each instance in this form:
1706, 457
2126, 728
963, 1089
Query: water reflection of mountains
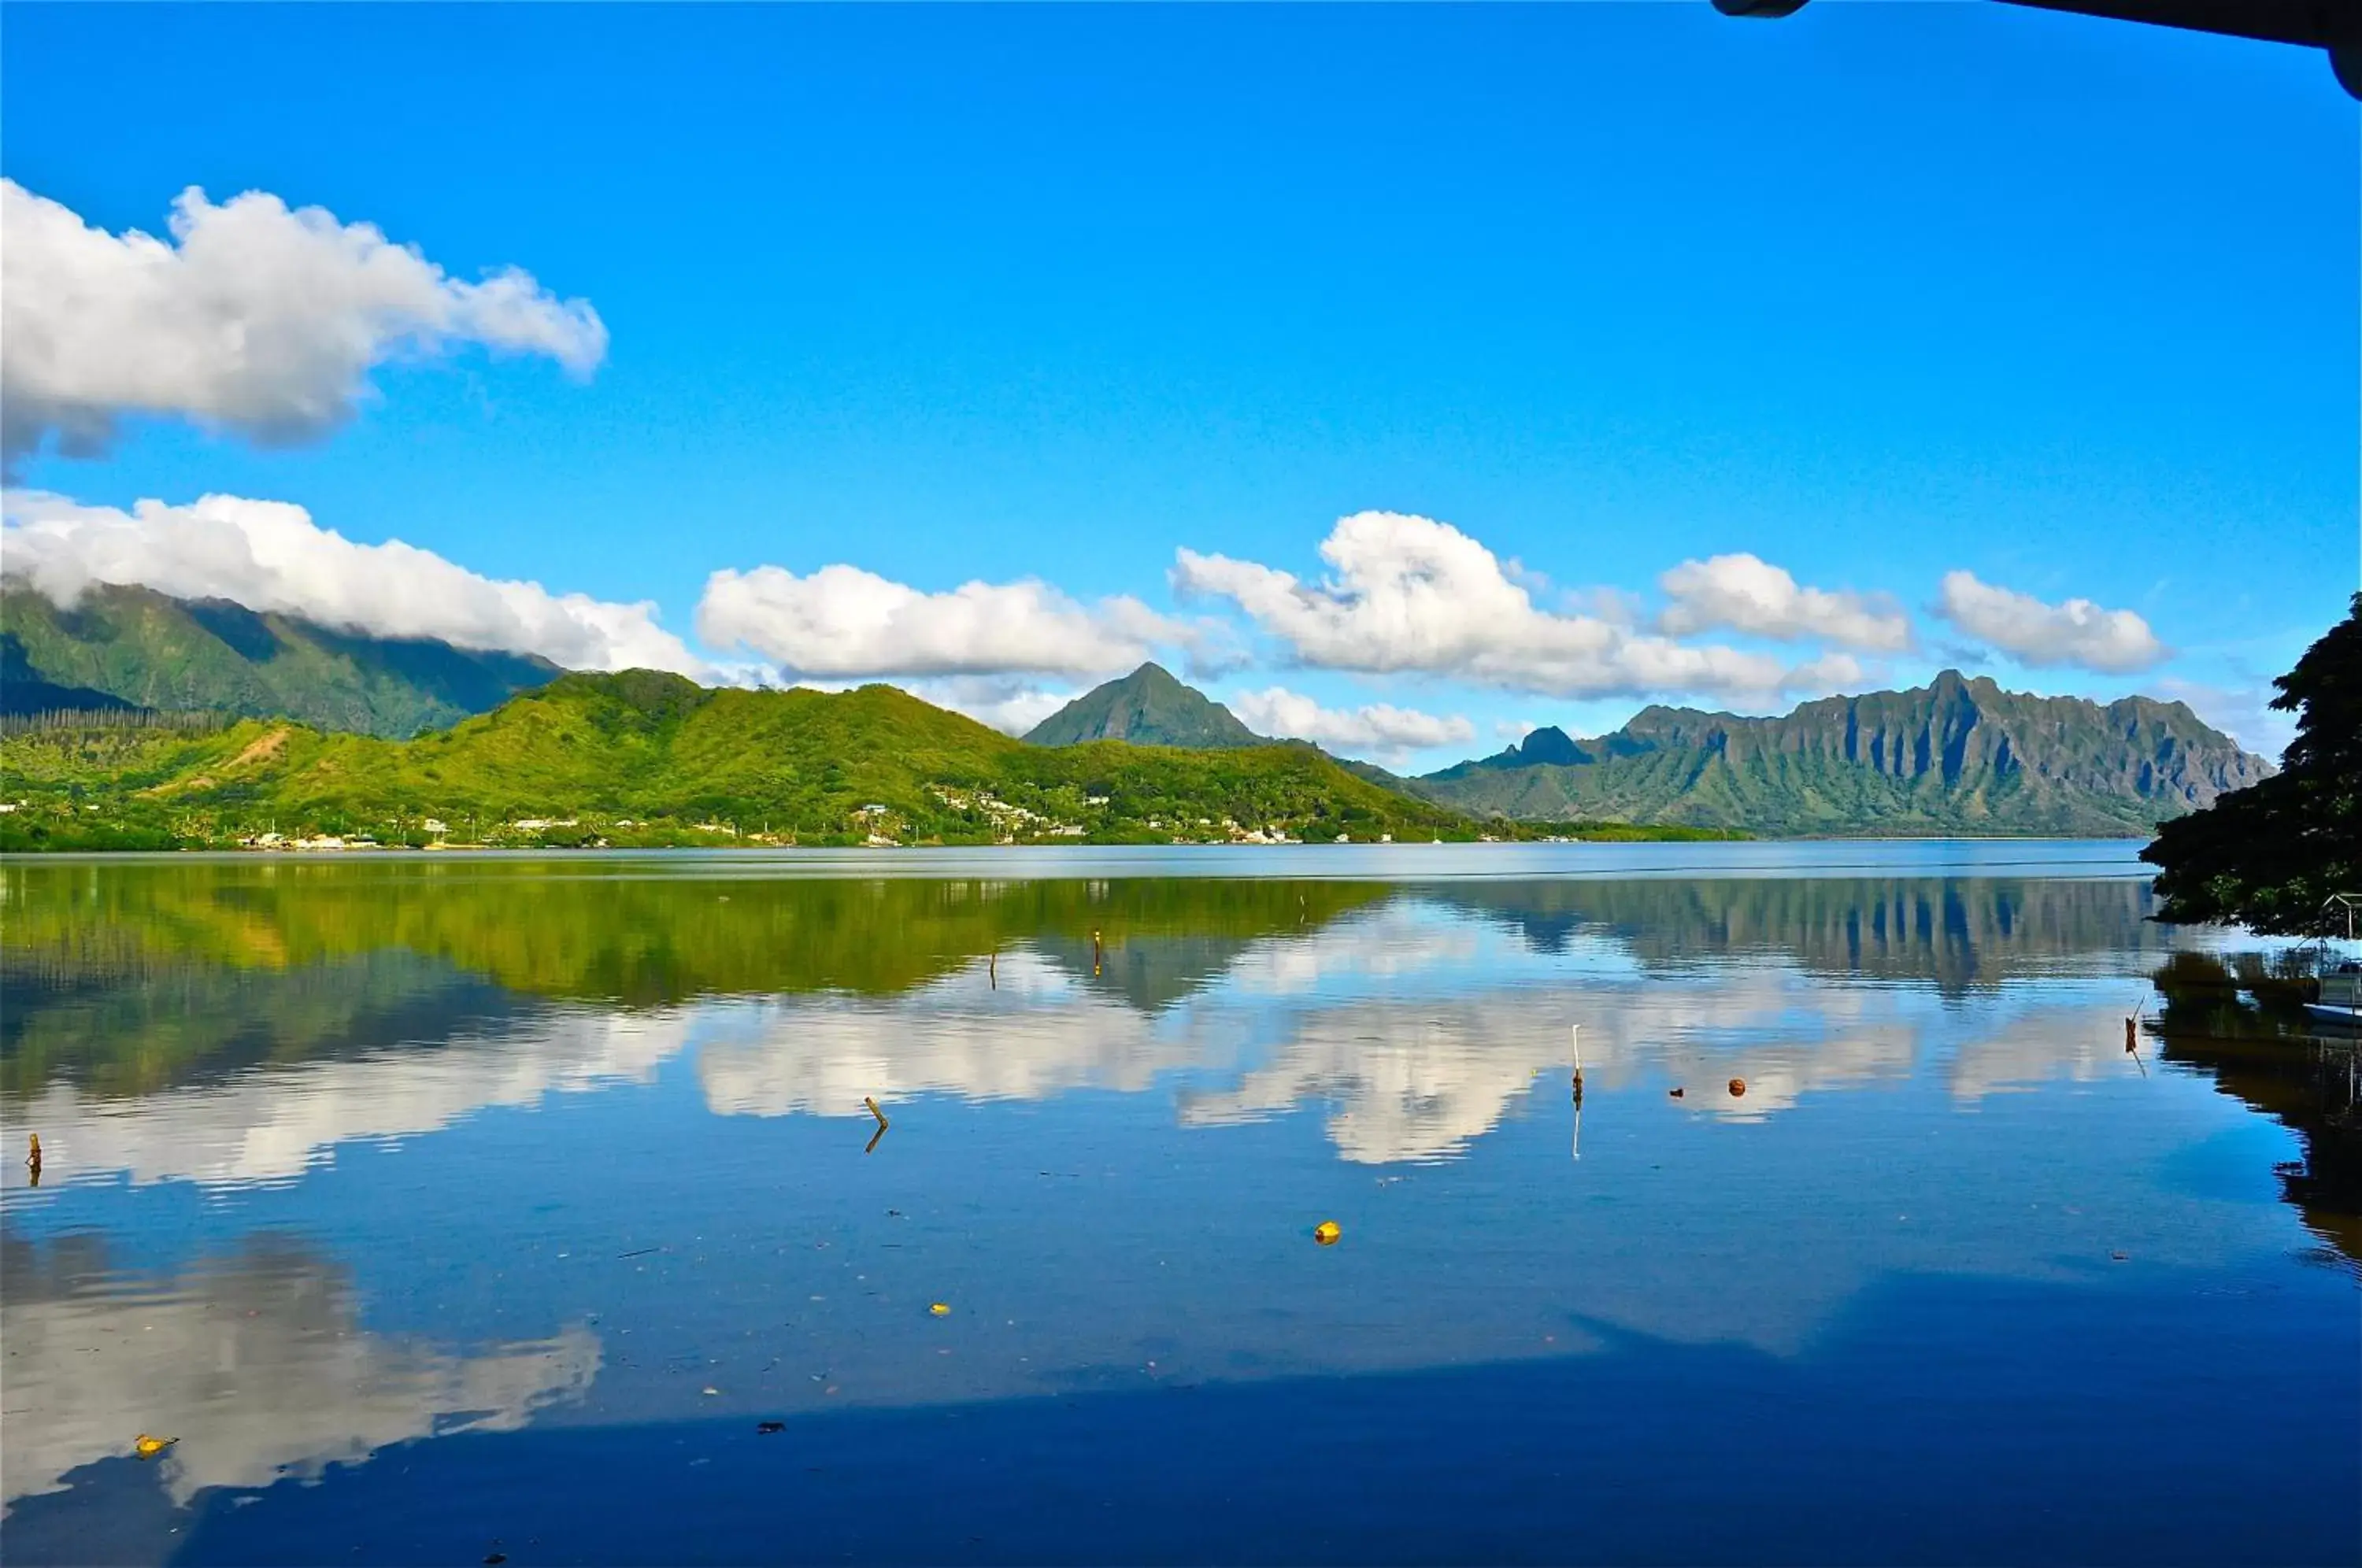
643, 941
1955, 932
500, 983
636, 940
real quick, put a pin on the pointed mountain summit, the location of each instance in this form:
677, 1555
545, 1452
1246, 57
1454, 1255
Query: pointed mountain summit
1148, 707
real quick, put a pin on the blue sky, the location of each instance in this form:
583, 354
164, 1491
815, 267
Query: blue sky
999, 294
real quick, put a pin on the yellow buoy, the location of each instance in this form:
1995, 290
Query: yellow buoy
1326, 1232
148, 1447
941, 1308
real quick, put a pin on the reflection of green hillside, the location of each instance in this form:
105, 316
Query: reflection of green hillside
1147, 971
119, 1031
129, 976
558, 932
1956, 932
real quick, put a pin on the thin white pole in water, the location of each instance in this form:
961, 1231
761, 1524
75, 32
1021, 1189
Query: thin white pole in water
1577, 1032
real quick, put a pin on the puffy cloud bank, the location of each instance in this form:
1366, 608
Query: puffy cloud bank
842, 623
253, 317
270, 555
1378, 727
2113, 642
1413, 594
1747, 593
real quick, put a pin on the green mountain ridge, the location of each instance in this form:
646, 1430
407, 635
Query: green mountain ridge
646, 758
1148, 707
1957, 756
130, 646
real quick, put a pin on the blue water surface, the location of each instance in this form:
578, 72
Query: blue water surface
442, 1207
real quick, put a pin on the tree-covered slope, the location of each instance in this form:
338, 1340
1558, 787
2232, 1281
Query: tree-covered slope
2284, 853
1148, 707
138, 648
649, 757
1959, 756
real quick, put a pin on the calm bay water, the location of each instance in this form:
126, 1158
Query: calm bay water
444, 1207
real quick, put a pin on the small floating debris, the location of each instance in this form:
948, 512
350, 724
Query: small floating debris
940, 1310
770, 1428
1675, 1093
1737, 1087
708, 1390
33, 1159
1326, 1232
148, 1447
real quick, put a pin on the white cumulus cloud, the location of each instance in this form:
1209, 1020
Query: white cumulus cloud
1012, 703
253, 317
1377, 728
2114, 641
1747, 593
1413, 594
843, 622
270, 555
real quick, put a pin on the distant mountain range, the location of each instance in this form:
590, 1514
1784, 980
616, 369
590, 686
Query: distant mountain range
1148, 707
133, 647
1955, 755
1958, 756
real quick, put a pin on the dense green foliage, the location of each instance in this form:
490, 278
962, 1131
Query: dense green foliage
1957, 757
649, 758
1148, 707
136, 646
2270, 857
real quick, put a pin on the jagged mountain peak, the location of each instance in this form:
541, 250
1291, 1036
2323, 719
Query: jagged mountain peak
1958, 755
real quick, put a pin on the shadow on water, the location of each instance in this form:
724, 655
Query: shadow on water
259, 1351
2192, 1440
2268, 1056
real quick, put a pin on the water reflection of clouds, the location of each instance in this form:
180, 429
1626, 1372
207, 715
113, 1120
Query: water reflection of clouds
255, 1361
1040, 1032
272, 1123
1420, 1027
